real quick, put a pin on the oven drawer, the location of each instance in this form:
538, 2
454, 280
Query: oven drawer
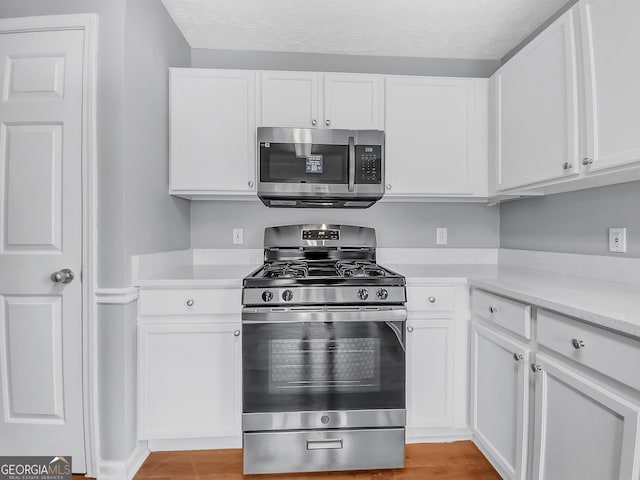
612, 354
206, 301
431, 298
321, 450
509, 314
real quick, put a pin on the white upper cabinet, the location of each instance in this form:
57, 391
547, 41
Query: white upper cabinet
435, 136
610, 41
212, 131
537, 109
316, 100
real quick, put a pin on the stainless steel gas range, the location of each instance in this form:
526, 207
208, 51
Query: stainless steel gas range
323, 354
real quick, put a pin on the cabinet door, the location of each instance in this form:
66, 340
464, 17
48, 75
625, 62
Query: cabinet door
430, 373
290, 99
537, 109
610, 39
212, 131
582, 430
500, 398
189, 380
353, 101
430, 136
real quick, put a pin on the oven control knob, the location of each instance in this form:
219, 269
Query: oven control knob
287, 295
267, 296
383, 294
325, 419
363, 294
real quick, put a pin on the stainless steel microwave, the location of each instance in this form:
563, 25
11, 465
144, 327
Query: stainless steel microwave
320, 168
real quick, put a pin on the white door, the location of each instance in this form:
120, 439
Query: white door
538, 109
289, 99
353, 101
610, 39
40, 233
582, 429
499, 400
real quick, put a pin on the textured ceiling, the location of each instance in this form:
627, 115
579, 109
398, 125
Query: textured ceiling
466, 29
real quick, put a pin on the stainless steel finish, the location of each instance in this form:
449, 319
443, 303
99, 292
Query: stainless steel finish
327, 122
577, 344
279, 452
329, 294
382, 293
535, 368
518, 356
409, 329
190, 302
314, 122
319, 136
382, 313
250, 183
587, 161
236, 333
432, 299
290, 236
271, 421
567, 165
352, 164
62, 276
363, 294
493, 309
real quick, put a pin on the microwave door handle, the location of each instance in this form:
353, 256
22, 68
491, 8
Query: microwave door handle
352, 164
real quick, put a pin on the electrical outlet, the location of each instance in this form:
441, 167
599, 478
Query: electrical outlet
618, 240
441, 236
238, 235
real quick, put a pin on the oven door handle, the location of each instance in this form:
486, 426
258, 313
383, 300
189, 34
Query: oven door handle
291, 315
352, 164
399, 333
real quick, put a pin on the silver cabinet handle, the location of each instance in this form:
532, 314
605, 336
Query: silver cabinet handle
518, 356
535, 368
587, 161
567, 165
236, 333
432, 299
314, 122
190, 302
250, 183
388, 186
493, 309
409, 329
327, 122
62, 276
577, 344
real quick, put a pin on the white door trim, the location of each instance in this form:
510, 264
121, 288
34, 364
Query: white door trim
88, 23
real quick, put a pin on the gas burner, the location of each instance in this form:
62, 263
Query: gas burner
290, 269
358, 269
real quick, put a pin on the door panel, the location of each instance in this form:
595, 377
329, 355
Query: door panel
41, 403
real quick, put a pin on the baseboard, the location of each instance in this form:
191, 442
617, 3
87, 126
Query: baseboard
195, 443
494, 463
125, 469
437, 435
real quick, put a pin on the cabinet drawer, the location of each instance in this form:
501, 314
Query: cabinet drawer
512, 315
427, 298
612, 354
190, 302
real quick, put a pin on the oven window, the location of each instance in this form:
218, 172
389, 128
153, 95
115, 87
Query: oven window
323, 366
303, 163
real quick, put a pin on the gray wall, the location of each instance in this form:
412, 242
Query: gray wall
396, 224
574, 222
317, 62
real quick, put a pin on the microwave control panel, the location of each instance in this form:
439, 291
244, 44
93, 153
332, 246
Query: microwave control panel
369, 164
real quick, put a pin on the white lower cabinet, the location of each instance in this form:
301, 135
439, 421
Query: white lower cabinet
189, 379
582, 429
500, 400
430, 360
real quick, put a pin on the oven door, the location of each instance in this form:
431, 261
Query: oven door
302, 362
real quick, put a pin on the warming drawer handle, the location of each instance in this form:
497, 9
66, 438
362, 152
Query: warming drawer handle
334, 444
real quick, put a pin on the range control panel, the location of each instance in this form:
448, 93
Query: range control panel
320, 234
369, 164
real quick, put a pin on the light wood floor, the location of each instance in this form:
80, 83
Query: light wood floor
423, 461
